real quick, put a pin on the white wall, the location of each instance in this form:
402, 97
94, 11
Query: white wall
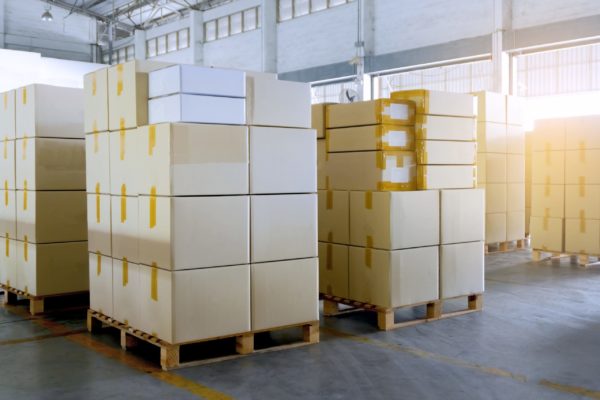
528, 13
241, 51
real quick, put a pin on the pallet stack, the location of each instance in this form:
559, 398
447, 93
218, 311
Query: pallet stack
43, 173
501, 162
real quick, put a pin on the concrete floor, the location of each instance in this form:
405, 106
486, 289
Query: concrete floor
537, 338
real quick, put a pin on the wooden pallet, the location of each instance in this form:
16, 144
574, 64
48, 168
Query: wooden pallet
474, 304
502, 247
36, 303
170, 353
583, 260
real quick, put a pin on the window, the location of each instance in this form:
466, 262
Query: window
222, 27
172, 42
330, 92
235, 23
301, 7
161, 45
288, 9
130, 53
105, 58
183, 39
151, 48
317, 5
166, 43
251, 21
210, 31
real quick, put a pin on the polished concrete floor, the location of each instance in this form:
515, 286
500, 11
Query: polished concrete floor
537, 338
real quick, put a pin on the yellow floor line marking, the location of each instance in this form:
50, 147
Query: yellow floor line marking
579, 391
10, 342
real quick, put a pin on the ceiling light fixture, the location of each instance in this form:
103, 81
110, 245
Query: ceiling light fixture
47, 15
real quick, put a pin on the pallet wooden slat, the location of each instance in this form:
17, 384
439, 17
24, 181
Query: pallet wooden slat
583, 260
512, 245
36, 303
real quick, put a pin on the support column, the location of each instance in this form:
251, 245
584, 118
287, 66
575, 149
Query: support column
197, 36
268, 19
366, 39
139, 43
500, 60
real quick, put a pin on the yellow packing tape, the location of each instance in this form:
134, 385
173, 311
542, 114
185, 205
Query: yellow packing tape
546, 217
151, 139
24, 148
93, 84
330, 236
6, 193
329, 202
369, 200
421, 177
385, 186
98, 263
547, 186
369, 241
5, 101
329, 261
327, 182
123, 203
25, 252
154, 283
422, 156
96, 139
119, 79
24, 95
582, 186
368, 257
6, 244
25, 195
152, 207
582, 221
98, 202
122, 144
125, 276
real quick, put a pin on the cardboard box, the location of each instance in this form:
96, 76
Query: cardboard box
321, 164
491, 107
7, 165
194, 79
481, 169
8, 266
440, 103
283, 227
394, 278
97, 162
193, 160
491, 137
515, 225
582, 165
284, 293
333, 269
127, 300
372, 170
515, 197
496, 197
446, 177
461, 216
194, 232
334, 216
515, 139
282, 160
548, 167
548, 201
547, 234
582, 199
444, 152
125, 228
271, 102
8, 115
394, 220
527, 221
549, 135
101, 284
515, 110
50, 164
186, 306
495, 228
374, 112
8, 213
582, 133
515, 168
582, 236
371, 137
197, 109
49, 111
95, 95
99, 224
438, 127
495, 168
128, 93
461, 269
52, 268
50, 217
125, 152
318, 112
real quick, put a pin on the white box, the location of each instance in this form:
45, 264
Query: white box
491, 107
97, 162
8, 266
371, 137
101, 284
124, 162
515, 139
99, 223
127, 301
491, 137
446, 152
282, 160
125, 228
446, 177
495, 227
8, 213
334, 216
283, 227
7, 165
461, 269
7, 115
515, 225
193, 79
440, 103
194, 232
438, 127
333, 269
95, 87
462, 215
515, 110
197, 109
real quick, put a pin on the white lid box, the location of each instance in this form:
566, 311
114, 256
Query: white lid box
7, 115
193, 79
97, 162
101, 284
446, 152
438, 127
197, 109
99, 222
127, 301
8, 266
8, 213
95, 110
125, 227
446, 177
7, 164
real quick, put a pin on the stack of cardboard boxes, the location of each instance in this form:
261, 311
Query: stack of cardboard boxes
528, 184
43, 177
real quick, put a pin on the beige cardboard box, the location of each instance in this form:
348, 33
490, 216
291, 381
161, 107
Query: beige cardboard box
371, 137
284, 293
99, 223
52, 268
515, 168
495, 227
547, 234
49, 111
7, 164
495, 197
7, 115
127, 301
186, 306
282, 160
193, 159
318, 113
95, 94
374, 112
461, 269
50, 164
97, 163
528, 185
394, 278
283, 227
438, 127
334, 216
515, 225
8, 213
192, 108
582, 132
8, 266
491, 137
440, 103
582, 198
495, 168
194, 232
515, 139
321, 164
446, 177
271, 102
527, 221
582, 236
582, 165
395, 220
462, 215
101, 284
491, 107
548, 167
444, 152
548, 201
481, 169
125, 168
333, 269
372, 170
128, 93
515, 110
549, 135
50, 217
515, 197
125, 227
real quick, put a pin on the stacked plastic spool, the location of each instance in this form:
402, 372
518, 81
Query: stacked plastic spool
43, 175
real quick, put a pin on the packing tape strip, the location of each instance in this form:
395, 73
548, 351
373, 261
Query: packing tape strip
327, 182
327, 144
5, 147
151, 139
330, 236
25, 195
385, 186
329, 259
98, 202
94, 83
582, 148
5, 101
329, 200
24, 95
369, 241
125, 277
582, 227
96, 138
546, 218
380, 160
123, 203
422, 156
154, 282
421, 177
24, 155
6, 193
369, 200
152, 207
368, 257
119, 79
122, 142
582, 186
25, 250
7, 246
98, 263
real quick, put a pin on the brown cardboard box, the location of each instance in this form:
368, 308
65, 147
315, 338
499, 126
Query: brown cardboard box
127, 297
8, 266
491, 107
515, 225
495, 227
548, 201
444, 152
446, 177
318, 112
547, 234
582, 198
374, 112
495, 168
7, 165
125, 168
515, 139
549, 135
491, 137
8, 213
333, 269
582, 236
548, 167
439, 127
371, 137
515, 197
582, 166
321, 164
461, 269
495, 197
125, 228
582, 132
462, 215
97, 163
515, 168
334, 216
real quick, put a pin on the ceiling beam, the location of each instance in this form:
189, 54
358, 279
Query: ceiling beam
86, 12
